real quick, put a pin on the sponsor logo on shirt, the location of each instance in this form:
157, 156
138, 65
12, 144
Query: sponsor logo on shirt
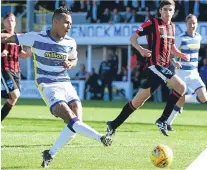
55, 55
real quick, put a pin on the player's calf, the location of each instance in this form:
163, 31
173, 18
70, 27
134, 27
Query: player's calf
201, 95
202, 100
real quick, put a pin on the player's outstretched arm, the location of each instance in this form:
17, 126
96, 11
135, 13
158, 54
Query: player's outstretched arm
8, 38
179, 54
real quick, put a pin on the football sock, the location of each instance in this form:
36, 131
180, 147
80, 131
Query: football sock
173, 115
172, 100
127, 110
5, 110
77, 126
65, 136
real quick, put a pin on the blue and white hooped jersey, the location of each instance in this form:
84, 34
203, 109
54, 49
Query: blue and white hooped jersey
49, 55
189, 45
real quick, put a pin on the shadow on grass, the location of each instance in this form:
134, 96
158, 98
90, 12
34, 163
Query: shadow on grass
12, 167
114, 104
23, 146
58, 123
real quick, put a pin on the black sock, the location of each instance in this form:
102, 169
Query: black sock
5, 110
172, 100
126, 111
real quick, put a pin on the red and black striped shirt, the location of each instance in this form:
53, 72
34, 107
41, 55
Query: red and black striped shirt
10, 56
160, 37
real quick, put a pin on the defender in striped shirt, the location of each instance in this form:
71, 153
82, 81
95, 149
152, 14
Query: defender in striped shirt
189, 43
160, 33
53, 54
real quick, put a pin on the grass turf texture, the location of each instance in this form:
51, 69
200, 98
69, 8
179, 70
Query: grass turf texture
30, 128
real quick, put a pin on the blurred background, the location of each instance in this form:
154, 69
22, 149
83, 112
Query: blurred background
102, 30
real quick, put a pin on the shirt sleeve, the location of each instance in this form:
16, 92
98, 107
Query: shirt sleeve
145, 29
26, 39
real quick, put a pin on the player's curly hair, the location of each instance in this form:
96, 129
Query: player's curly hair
59, 11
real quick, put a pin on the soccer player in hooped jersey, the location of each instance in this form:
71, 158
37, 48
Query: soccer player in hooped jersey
160, 33
189, 43
51, 49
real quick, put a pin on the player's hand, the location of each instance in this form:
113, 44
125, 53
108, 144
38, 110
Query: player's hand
145, 52
185, 57
29, 52
177, 65
67, 65
4, 53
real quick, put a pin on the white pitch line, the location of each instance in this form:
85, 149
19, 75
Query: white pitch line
200, 163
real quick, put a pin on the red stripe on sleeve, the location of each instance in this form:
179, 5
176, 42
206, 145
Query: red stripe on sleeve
143, 26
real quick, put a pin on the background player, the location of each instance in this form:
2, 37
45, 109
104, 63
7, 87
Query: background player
160, 34
10, 67
51, 49
189, 43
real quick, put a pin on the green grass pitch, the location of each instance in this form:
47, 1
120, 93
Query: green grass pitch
30, 128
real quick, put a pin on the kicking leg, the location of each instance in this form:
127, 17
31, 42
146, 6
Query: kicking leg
67, 135
63, 111
74, 125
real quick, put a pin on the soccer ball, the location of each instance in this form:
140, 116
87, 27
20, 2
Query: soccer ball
161, 156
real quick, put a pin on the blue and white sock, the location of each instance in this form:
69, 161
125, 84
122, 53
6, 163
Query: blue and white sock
77, 126
173, 115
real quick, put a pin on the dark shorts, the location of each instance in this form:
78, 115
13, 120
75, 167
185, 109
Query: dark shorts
155, 76
10, 81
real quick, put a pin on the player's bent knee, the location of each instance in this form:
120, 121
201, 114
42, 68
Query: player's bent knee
137, 104
14, 95
63, 111
75, 105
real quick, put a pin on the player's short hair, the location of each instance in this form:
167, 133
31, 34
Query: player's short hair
59, 11
167, 2
189, 17
7, 15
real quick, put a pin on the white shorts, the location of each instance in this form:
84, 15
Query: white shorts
54, 93
191, 78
